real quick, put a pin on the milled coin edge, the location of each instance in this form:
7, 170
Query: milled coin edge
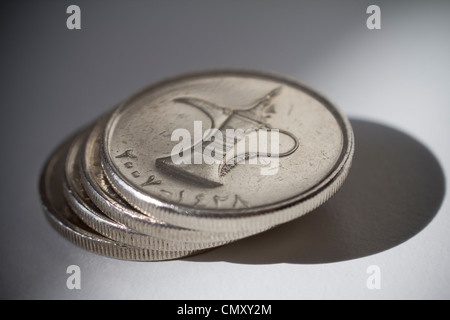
226, 220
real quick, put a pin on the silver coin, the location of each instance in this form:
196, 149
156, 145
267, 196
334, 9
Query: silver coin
82, 205
156, 146
70, 226
106, 199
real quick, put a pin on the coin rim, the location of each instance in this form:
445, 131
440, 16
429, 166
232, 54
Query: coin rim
141, 222
84, 238
221, 219
101, 223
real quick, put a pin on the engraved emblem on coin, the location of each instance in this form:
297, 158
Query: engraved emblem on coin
223, 143
247, 122
194, 162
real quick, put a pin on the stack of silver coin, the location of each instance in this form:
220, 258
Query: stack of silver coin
195, 162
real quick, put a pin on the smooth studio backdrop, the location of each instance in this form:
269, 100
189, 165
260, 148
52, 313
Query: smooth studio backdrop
393, 83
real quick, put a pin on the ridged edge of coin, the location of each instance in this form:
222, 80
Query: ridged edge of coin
97, 220
191, 239
105, 247
84, 238
263, 220
269, 216
141, 222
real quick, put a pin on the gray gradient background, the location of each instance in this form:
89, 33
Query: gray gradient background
393, 83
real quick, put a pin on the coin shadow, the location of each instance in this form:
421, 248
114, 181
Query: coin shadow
394, 189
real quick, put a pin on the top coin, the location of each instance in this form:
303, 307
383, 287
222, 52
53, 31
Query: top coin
227, 150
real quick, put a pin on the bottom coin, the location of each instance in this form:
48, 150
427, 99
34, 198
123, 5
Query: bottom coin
67, 223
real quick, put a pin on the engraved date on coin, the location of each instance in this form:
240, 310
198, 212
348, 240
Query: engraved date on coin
234, 201
128, 154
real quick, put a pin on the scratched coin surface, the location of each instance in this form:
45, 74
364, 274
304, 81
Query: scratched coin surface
157, 149
69, 225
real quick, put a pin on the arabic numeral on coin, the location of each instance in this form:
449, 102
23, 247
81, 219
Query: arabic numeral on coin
151, 181
217, 199
238, 200
166, 192
128, 165
199, 198
127, 154
136, 174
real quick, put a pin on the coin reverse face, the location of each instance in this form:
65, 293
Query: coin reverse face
207, 149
